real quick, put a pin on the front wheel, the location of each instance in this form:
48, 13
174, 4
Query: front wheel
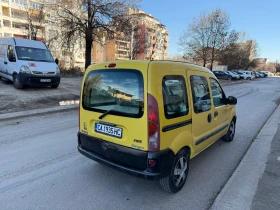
177, 177
16, 82
231, 132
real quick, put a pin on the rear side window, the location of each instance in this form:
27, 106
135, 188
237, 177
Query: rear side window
175, 96
121, 92
200, 94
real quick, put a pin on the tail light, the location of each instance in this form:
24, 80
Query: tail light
79, 114
153, 125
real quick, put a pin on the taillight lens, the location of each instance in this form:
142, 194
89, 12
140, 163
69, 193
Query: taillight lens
79, 111
153, 125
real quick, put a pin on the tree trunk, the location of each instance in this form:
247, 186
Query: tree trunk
89, 41
89, 36
212, 58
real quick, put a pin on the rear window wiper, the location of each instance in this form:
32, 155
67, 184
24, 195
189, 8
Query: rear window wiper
109, 111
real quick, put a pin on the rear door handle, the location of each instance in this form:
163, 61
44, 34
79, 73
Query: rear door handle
5, 62
216, 114
209, 118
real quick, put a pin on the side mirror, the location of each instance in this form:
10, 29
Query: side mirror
56, 61
231, 100
12, 58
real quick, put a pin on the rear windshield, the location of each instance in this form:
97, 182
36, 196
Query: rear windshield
119, 91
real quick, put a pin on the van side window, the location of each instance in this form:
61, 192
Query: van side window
175, 96
3, 50
11, 54
200, 94
217, 93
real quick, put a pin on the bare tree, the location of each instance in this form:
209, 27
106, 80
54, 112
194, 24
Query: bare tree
90, 19
195, 41
138, 41
221, 36
206, 36
36, 19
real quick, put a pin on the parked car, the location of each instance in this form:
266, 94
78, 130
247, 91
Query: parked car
250, 75
222, 75
126, 123
259, 74
241, 74
233, 75
28, 63
268, 73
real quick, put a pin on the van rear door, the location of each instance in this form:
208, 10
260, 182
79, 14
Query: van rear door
113, 106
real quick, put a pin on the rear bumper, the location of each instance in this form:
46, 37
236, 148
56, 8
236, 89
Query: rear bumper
30, 79
128, 160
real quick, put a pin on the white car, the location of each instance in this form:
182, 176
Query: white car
249, 74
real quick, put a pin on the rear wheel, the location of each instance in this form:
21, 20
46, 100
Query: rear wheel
177, 177
16, 82
231, 132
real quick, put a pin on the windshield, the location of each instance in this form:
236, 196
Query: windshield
121, 91
34, 54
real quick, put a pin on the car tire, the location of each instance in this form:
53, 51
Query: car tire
177, 177
16, 82
230, 133
55, 86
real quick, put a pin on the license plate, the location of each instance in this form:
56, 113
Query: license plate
108, 130
45, 80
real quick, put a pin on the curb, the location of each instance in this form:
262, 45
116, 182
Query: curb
239, 191
16, 115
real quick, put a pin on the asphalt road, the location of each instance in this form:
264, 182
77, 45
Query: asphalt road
40, 167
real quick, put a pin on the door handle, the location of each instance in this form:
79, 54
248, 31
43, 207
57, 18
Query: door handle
216, 114
209, 118
5, 62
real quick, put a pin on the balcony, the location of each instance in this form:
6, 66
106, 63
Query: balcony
166, 39
125, 40
5, 1
5, 11
7, 23
122, 57
125, 49
165, 44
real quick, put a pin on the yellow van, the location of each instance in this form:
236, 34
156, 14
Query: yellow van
148, 118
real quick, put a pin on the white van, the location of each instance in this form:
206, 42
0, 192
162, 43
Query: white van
27, 63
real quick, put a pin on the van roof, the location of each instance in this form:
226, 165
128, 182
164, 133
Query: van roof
26, 42
154, 61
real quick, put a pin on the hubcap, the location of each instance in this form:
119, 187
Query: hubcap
180, 171
231, 130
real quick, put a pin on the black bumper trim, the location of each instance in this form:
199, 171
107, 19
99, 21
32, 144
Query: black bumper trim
138, 173
30, 79
129, 160
210, 135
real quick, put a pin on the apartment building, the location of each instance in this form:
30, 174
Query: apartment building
31, 19
149, 40
14, 15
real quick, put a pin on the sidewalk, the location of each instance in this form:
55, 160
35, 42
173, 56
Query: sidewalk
255, 184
